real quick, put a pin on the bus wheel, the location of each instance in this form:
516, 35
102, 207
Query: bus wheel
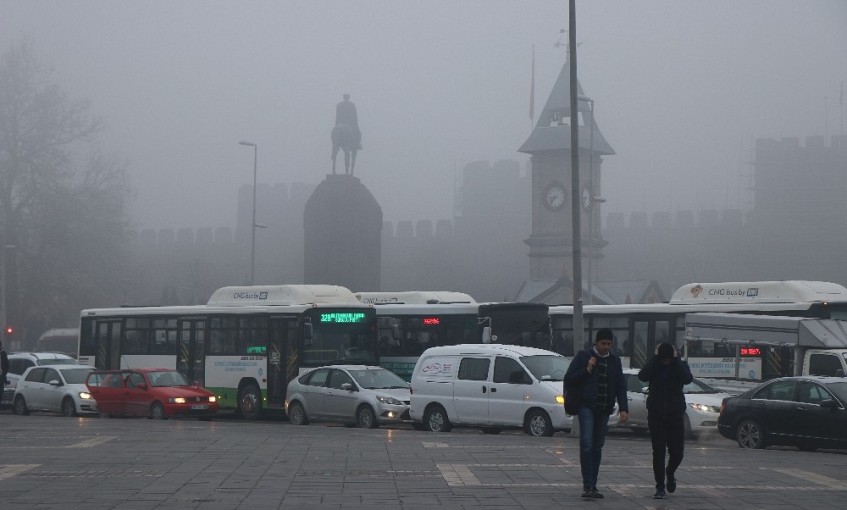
436, 419
538, 424
157, 412
365, 418
250, 402
19, 407
68, 407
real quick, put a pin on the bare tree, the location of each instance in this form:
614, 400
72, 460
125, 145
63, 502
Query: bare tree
62, 217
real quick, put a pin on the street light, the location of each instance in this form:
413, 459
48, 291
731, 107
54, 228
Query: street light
253, 223
589, 199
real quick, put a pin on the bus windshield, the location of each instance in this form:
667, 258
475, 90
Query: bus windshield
341, 337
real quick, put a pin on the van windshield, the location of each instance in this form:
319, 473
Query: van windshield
546, 367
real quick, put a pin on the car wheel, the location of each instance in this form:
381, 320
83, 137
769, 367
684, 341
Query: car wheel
490, 430
157, 411
365, 418
19, 406
296, 414
538, 424
750, 435
436, 419
68, 407
250, 402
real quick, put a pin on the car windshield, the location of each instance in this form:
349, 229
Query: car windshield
840, 390
169, 378
57, 361
546, 367
378, 379
698, 386
75, 375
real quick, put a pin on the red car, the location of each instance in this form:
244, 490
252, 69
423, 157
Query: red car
157, 393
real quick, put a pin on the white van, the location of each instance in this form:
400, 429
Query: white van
490, 386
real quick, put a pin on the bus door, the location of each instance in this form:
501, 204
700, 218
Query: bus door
191, 349
283, 358
646, 335
108, 345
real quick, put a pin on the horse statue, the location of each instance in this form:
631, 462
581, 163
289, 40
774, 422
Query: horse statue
344, 138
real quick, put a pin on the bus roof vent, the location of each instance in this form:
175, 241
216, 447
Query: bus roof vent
414, 297
270, 295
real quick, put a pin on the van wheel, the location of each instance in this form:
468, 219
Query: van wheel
539, 424
68, 407
749, 434
436, 419
365, 418
19, 407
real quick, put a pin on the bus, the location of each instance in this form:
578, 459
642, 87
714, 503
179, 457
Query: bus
410, 322
61, 340
245, 344
638, 328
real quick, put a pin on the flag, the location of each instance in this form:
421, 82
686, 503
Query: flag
532, 89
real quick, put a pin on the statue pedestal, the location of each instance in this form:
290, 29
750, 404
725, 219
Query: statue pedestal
342, 224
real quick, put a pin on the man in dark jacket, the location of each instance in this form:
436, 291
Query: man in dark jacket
596, 375
667, 375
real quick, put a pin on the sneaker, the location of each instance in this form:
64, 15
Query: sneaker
671, 485
586, 492
660, 494
596, 494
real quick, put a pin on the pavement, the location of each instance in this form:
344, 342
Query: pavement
91, 463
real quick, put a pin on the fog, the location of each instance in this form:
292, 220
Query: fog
681, 91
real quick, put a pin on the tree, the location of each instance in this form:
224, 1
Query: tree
63, 223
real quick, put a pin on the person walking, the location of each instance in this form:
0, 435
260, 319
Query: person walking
595, 378
4, 369
666, 375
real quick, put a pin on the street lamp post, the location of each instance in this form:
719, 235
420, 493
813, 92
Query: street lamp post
253, 222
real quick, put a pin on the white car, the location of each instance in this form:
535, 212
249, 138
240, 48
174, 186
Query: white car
703, 401
54, 388
20, 361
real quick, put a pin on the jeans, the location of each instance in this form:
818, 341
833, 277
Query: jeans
593, 425
667, 434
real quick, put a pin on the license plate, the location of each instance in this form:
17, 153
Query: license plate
199, 406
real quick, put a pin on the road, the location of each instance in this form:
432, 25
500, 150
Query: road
91, 463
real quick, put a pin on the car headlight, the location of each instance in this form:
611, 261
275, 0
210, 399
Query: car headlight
213, 398
704, 408
85, 395
389, 400
177, 400
560, 399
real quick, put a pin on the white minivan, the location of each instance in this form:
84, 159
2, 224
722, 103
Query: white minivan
490, 386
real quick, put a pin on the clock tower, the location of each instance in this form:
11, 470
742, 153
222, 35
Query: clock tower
549, 145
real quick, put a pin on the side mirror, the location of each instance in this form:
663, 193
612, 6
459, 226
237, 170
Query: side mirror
645, 390
829, 404
54, 382
486, 335
307, 333
347, 386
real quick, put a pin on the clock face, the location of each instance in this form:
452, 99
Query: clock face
554, 196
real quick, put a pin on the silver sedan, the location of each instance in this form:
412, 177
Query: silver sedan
359, 395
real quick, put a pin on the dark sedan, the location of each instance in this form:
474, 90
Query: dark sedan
807, 412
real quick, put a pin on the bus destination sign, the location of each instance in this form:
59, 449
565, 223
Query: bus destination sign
342, 317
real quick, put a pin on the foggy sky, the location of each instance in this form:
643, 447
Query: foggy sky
681, 90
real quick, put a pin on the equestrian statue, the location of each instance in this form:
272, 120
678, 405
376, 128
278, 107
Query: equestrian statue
346, 135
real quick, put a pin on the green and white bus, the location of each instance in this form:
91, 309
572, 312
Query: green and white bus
245, 344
